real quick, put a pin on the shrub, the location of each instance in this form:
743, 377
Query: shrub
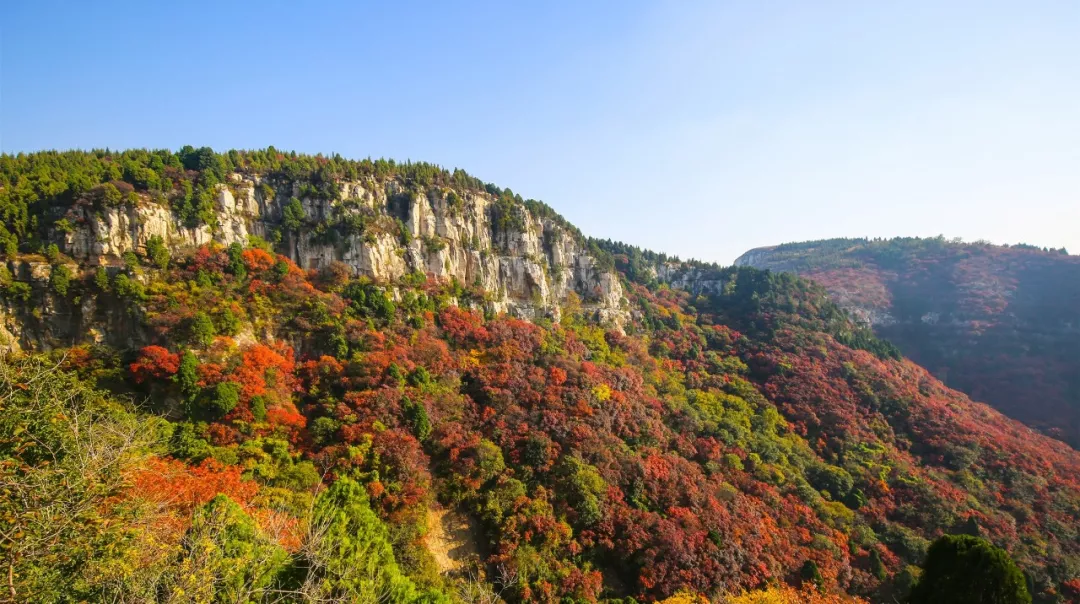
201, 329
258, 408
18, 290
129, 288
230, 323
101, 278
157, 252
60, 279
223, 399
131, 261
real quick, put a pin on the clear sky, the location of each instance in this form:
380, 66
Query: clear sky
697, 128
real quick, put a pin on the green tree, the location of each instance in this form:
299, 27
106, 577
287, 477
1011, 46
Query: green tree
187, 377
225, 557
52, 253
394, 373
281, 269
202, 330
258, 408
204, 160
18, 290
101, 278
338, 344
419, 377
962, 569
185, 443
131, 261
810, 573
237, 267
157, 252
348, 555
293, 215
230, 323
203, 278
11, 246
126, 287
223, 398
417, 417
836, 481
877, 565
324, 429
585, 489
60, 279
110, 195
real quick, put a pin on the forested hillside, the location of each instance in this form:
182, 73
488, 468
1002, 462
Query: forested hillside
1000, 323
190, 421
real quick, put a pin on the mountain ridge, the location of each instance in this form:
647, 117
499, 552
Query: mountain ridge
1001, 323
378, 224
717, 437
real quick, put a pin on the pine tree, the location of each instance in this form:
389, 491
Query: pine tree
961, 569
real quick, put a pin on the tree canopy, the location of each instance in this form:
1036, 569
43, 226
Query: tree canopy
962, 569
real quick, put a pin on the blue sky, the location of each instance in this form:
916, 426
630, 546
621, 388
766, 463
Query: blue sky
697, 128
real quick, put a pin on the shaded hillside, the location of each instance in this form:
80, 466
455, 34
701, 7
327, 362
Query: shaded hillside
297, 426
999, 323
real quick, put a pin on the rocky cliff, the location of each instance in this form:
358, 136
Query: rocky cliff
527, 265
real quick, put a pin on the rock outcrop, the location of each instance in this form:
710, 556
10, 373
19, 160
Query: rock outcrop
526, 264
761, 257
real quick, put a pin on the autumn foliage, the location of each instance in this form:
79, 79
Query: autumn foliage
996, 322
745, 442
721, 444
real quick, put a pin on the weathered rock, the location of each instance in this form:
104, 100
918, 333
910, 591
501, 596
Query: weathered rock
528, 272
9, 334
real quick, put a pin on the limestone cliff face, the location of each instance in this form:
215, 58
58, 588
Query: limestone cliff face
528, 265
761, 257
692, 279
45, 319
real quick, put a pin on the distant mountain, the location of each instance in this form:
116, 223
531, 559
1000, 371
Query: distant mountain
1001, 323
258, 376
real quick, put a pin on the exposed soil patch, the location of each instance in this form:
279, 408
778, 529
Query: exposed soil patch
452, 538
